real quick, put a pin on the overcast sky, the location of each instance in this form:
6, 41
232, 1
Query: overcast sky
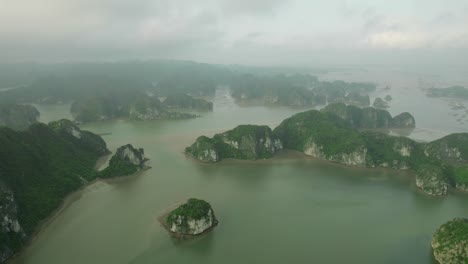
262, 32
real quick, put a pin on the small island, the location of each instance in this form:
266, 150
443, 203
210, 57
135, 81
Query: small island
450, 242
126, 161
192, 218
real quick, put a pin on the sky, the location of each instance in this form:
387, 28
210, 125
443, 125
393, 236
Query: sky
254, 32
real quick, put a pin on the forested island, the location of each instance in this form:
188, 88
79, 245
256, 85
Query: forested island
40, 166
450, 242
326, 135
192, 218
131, 105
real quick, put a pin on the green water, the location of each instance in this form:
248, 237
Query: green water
289, 209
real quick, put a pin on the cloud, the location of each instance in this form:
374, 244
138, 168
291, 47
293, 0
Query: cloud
225, 31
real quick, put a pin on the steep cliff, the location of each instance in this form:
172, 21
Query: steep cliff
453, 147
126, 160
432, 180
243, 142
191, 218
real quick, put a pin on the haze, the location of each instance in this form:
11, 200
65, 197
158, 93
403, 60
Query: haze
256, 32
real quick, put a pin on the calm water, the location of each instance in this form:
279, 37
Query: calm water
287, 209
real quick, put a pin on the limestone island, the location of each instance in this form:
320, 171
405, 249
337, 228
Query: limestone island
337, 137
126, 161
249, 142
128, 105
450, 242
195, 217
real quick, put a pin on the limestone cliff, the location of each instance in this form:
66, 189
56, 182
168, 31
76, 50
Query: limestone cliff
12, 236
243, 142
191, 218
431, 179
126, 160
450, 242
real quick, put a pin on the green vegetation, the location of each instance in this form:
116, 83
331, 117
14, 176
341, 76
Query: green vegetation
243, 142
461, 175
41, 167
193, 209
297, 90
184, 101
370, 118
325, 134
328, 130
117, 168
450, 242
123, 104
451, 148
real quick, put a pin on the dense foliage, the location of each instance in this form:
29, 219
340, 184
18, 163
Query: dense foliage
41, 167
369, 117
243, 142
329, 130
297, 90
184, 101
450, 242
193, 209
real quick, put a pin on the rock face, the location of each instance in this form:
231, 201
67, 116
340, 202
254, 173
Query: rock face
370, 118
131, 155
12, 235
192, 218
126, 160
379, 103
18, 117
453, 147
450, 242
403, 120
431, 179
243, 142
184, 101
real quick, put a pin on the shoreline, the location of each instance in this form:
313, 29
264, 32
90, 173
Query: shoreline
67, 201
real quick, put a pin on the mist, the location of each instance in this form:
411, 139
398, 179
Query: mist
256, 32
